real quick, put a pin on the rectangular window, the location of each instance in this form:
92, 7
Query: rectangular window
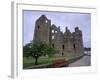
53, 37
63, 47
52, 31
53, 45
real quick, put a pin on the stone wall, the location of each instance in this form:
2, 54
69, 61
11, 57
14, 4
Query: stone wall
66, 42
42, 29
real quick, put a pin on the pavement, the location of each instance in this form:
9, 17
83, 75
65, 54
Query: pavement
84, 61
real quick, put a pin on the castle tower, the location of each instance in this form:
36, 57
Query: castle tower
59, 41
78, 42
67, 41
42, 29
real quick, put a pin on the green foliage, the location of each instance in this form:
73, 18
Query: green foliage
27, 50
38, 49
50, 51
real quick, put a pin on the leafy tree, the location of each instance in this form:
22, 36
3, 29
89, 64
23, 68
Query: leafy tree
50, 51
38, 49
27, 50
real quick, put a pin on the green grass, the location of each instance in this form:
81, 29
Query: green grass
30, 61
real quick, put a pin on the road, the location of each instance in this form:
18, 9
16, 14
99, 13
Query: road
84, 61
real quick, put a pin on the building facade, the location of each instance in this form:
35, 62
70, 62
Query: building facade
66, 42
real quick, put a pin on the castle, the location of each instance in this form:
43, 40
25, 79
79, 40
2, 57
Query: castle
66, 42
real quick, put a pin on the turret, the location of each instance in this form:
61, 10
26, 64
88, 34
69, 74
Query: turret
42, 29
76, 29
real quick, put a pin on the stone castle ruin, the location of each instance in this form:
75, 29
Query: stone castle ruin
66, 42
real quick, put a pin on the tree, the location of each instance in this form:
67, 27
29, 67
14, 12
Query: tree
38, 49
50, 51
27, 50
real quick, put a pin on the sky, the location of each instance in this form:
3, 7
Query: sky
62, 19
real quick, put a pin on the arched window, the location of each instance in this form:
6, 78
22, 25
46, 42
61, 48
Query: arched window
46, 21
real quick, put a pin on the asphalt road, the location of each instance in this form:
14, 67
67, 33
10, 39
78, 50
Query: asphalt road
84, 61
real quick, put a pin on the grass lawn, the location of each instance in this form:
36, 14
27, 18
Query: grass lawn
28, 62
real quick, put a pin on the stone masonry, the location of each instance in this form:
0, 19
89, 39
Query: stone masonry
66, 42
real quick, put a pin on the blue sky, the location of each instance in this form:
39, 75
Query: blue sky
62, 19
